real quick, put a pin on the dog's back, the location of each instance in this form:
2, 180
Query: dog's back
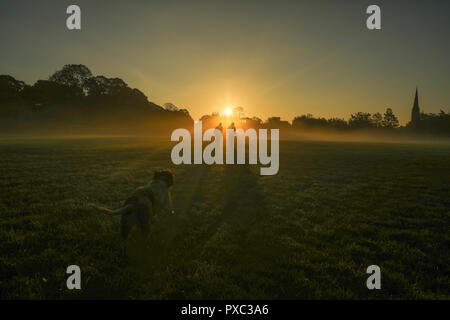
144, 203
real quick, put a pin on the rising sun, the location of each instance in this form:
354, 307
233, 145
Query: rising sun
228, 111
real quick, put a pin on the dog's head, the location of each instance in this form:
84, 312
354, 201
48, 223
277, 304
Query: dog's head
166, 176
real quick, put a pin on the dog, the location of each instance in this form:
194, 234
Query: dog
144, 204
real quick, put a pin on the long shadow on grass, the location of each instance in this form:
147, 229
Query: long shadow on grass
152, 257
232, 251
222, 226
242, 245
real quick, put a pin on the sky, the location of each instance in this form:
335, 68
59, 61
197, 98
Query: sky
273, 58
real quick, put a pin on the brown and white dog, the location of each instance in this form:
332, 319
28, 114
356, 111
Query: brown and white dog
144, 204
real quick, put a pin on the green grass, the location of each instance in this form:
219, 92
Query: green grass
309, 232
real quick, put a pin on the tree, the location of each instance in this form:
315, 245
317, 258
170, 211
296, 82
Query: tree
253, 122
100, 85
238, 111
170, 106
308, 121
46, 92
96, 86
337, 123
117, 86
185, 112
360, 120
73, 98
257, 120
11, 84
433, 123
73, 75
389, 119
12, 104
377, 120
10, 89
205, 118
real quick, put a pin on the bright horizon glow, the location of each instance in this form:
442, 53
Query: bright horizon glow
228, 111
313, 57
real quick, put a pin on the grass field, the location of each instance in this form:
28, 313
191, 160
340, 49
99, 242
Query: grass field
309, 232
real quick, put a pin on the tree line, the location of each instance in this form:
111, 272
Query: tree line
429, 123
74, 100
359, 120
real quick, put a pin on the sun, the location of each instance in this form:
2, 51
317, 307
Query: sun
228, 111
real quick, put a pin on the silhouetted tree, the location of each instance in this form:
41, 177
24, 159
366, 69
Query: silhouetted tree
10, 86
74, 99
113, 92
308, 121
185, 112
360, 120
10, 90
101, 85
11, 100
432, 123
170, 106
72, 75
117, 86
253, 122
238, 111
257, 120
389, 119
336, 123
45, 92
205, 118
377, 120
96, 86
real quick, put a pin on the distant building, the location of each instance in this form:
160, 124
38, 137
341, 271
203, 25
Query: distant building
415, 113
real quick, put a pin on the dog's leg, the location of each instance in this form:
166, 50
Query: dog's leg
125, 232
144, 225
124, 252
145, 228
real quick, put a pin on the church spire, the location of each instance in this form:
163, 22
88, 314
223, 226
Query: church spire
415, 113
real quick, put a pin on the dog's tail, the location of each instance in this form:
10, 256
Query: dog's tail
109, 211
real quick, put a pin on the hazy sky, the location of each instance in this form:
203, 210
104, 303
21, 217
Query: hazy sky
281, 58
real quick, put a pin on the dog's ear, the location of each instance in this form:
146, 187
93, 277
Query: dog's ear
169, 177
165, 175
